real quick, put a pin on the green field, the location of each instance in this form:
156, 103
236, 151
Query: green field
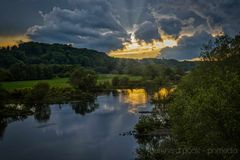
58, 82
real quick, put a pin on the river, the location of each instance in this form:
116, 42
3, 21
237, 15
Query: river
71, 131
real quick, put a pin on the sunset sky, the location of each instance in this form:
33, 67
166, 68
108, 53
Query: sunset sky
122, 28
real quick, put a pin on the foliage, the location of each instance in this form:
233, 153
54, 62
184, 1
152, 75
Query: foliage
124, 81
5, 75
3, 95
39, 91
205, 112
115, 81
32, 60
103, 82
57, 82
21, 71
83, 79
42, 53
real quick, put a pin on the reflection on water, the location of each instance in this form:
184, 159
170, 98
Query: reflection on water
3, 125
135, 98
153, 129
84, 129
84, 107
163, 93
42, 113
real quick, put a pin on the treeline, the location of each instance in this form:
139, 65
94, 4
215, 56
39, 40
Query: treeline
21, 71
82, 82
200, 120
32, 60
42, 53
153, 76
205, 111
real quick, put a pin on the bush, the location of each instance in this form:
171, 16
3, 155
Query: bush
115, 81
205, 111
124, 81
5, 75
3, 95
39, 91
83, 79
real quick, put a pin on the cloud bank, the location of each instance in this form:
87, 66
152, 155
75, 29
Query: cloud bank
88, 27
105, 24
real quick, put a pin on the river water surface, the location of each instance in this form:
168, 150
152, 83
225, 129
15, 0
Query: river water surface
67, 132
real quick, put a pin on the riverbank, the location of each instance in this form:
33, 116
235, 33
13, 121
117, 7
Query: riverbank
61, 82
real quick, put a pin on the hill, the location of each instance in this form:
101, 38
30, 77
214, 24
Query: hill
33, 60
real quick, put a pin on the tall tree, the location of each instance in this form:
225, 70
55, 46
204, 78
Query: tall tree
83, 79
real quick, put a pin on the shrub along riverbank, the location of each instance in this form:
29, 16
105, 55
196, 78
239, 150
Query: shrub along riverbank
63, 82
84, 80
80, 82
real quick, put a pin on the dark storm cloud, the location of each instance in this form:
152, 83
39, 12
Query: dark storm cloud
211, 14
188, 47
171, 26
202, 19
104, 24
89, 27
147, 31
16, 16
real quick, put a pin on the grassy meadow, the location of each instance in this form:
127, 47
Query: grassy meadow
59, 82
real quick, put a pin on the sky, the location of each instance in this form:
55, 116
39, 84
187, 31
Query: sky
173, 29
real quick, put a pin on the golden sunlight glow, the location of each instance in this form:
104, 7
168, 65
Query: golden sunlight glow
217, 31
139, 49
197, 59
169, 43
134, 97
13, 40
162, 93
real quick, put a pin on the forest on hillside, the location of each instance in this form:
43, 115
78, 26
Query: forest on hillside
33, 61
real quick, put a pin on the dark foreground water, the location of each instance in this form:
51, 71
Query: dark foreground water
69, 132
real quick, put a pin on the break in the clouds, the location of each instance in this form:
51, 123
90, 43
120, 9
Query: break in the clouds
106, 24
189, 47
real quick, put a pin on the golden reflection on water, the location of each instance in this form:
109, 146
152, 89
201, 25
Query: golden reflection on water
135, 98
163, 93
138, 98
